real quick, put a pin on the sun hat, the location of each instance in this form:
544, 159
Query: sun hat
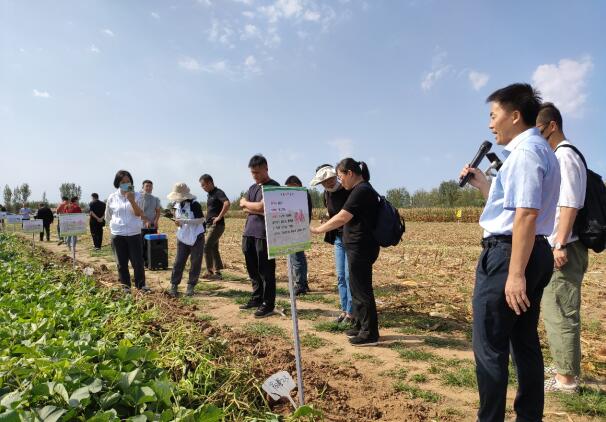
324, 173
180, 193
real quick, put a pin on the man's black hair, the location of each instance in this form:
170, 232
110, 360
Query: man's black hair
95, 195
120, 175
550, 113
74, 199
206, 178
257, 160
521, 97
147, 181
293, 180
64, 198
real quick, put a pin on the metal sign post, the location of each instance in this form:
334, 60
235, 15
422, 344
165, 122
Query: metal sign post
74, 251
295, 329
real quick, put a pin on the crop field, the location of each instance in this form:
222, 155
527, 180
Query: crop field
85, 351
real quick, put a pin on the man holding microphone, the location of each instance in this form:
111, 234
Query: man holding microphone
516, 262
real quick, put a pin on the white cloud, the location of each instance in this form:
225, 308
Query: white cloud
478, 79
220, 32
344, 147
108, 32
282, 9
564, 83
250, 31
246, 2
155, 15
219, 66
248, 14
311, 15
251, 66
206, 3
189, 63
439, 69
94, 49
40, 94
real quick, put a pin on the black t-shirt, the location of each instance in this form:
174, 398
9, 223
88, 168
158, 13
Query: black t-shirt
255, 223
334, 201
46, 215
98, 207
363, 203
214, 204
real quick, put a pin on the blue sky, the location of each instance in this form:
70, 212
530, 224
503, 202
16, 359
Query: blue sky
173, 89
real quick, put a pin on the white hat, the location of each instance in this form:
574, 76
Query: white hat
180, 193
324, 173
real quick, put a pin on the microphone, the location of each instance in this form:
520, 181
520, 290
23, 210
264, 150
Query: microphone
484, 148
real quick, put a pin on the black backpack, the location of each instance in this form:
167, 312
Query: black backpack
590, 224
390, 226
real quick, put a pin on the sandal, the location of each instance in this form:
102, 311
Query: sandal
552, 385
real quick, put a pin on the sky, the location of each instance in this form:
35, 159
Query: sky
170, 90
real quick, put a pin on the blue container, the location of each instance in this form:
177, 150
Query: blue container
158, 236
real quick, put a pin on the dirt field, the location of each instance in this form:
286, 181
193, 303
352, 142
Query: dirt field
423, 368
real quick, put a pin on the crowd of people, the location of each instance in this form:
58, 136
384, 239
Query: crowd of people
530, 250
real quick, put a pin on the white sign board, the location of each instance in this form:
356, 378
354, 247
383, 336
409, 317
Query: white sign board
32, 226
279, 385
73, 224
14, 218
286, 220
2, 215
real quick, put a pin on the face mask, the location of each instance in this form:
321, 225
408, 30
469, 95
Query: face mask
335, 187
125, 187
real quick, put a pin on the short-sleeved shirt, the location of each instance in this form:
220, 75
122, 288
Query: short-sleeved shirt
529, 178
572, 187
73, 209
150, 204
255, 223
25, 213
363, 204
214, 204
61, 208
121, 216
98, 207
334, 201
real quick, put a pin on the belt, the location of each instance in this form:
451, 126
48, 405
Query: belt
490, 241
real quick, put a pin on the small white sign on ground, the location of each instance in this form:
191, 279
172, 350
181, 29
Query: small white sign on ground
279, 385
73, 224
32, 226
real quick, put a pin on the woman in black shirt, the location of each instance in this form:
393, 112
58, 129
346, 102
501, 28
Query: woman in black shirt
358, 218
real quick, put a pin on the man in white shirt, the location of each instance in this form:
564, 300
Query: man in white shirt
562, 297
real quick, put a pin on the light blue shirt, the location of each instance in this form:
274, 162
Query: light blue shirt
529, 178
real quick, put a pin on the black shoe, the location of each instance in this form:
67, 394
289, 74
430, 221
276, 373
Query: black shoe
358, 341
144, 289
352, 332
250, 304
264, 311
173, 291
190, 290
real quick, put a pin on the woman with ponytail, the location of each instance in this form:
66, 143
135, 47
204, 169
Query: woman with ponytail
358, 218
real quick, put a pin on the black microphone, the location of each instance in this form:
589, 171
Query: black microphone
484, 148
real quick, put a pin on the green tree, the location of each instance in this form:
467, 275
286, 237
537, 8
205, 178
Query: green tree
44, 200
448, 192
26, 192
317, 198
8, 197
70, 190
17, 197
399, 197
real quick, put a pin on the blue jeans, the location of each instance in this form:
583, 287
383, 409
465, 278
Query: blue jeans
342, 270
298, 269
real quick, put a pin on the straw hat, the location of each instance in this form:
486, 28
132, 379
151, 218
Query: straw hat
180, 193
323, 174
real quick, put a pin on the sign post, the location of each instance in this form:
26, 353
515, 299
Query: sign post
33, 227
72, 225
287, 227
13, 220
2, 218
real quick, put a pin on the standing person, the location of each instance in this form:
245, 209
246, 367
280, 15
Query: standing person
261, 270
516, 262
73, 208
358, 217
123, 211
45, 214
562, 296
97, 220
61, 210
190, 238
298, 260
335, 196
2, 209
25, 212
217, 206
151, 213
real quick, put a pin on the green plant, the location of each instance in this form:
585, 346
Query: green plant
312, 341
415, 392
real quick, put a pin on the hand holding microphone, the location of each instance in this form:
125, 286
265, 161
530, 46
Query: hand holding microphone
484, 148
473, 175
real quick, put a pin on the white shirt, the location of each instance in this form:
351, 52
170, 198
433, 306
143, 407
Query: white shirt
192, 227
119, 212
572, 187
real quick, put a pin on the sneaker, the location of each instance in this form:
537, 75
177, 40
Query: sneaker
215, 277
174, 290
190, 290
301, 291
250, 304
348, 320
145, 289
552, 385
60, 242
341, 317
264, 311
358, 341
551, 371
207, 276
352, 332
125, 289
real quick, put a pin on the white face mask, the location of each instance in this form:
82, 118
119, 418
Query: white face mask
335, 187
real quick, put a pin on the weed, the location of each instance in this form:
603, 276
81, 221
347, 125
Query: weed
588, 402
264, 329
462, 377
419, 378
331, 327
417, 393
370, 358
414, 354
312, 341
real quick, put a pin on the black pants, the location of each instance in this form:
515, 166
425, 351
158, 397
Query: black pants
360, 259
496, 326
196, 251
144, 243
128, 248
96, 232
46, 229
262, 271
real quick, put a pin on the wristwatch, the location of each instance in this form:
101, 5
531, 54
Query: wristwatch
558, 246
